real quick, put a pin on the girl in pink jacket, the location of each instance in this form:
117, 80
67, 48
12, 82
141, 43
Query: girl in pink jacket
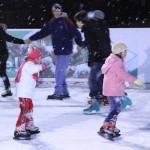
113, 86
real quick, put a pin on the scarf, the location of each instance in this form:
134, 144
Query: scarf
18, 76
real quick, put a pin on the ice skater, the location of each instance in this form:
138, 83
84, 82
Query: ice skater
113, 87
25, 84
97, 41
62, 32
4, 54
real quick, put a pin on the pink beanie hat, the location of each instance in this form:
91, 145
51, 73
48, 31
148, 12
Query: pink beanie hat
34, 53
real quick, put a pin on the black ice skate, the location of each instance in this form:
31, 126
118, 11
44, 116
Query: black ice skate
7, 93
22, 135
34, 130
55, 97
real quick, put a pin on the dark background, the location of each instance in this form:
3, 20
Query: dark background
34, 13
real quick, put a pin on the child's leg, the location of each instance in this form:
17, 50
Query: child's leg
115, 102
109, 125
29, 115
20, 125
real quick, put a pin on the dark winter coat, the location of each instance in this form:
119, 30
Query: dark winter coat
4, 37
62, 32
97, 40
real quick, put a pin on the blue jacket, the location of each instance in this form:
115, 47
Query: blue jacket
62, 32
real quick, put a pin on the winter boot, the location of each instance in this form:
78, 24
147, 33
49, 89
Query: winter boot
22, 135
7, 93
55, 97
125, 102
94, 106
33, 130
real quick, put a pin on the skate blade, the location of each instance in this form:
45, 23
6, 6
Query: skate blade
91, 113
22, 138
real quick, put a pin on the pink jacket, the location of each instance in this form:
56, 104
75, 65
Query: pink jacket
114, 76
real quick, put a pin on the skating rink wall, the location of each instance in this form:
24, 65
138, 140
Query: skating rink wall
137, 61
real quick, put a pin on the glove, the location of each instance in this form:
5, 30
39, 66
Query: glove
138, 82
43, 67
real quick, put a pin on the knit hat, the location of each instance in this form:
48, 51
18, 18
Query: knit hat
3, 26
99, 14
119, 47
34, 53
56, 6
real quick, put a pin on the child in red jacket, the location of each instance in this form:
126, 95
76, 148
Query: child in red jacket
25, 84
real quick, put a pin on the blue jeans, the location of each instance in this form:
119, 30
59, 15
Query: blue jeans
62, 63
115, 103
95, 80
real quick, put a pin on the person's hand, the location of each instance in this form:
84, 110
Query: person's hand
43, 67
138, 82
27, 41
79, 48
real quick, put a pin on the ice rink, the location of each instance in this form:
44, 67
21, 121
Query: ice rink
64, 127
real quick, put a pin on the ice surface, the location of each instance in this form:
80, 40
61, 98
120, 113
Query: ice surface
64, 127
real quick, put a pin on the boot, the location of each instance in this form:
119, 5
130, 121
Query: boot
125, 102
94, 106
22, 135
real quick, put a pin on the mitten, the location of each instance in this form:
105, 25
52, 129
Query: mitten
138, 82
43, 67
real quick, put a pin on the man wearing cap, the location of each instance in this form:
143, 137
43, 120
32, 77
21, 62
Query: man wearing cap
97, 41
62, 32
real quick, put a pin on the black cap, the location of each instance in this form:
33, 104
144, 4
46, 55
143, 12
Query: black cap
56, 6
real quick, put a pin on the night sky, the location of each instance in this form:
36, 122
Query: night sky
35, 13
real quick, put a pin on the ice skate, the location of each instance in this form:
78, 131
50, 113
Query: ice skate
109, 131
34, 130
106, 133
22, 135
7, 93
94, 107
125, 102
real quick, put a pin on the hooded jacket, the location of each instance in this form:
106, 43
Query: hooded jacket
114, 76
97, 40
62, 32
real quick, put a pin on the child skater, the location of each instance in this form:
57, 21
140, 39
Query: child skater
113, 87
25, 84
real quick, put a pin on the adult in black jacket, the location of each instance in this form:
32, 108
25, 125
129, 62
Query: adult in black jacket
97, 41
4, 54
